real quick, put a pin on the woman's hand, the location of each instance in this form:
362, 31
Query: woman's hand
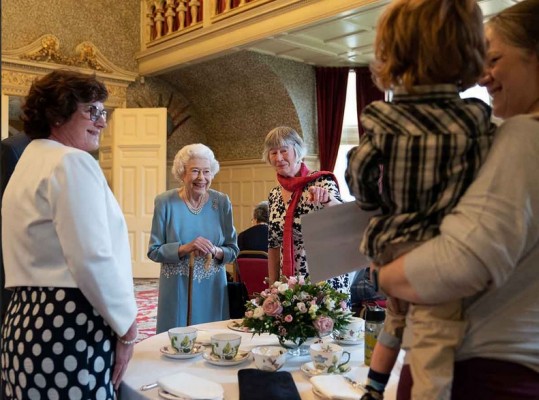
200, 247
123, 354
318, 195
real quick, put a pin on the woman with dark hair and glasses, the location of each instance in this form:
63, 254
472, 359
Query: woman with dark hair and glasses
70, 326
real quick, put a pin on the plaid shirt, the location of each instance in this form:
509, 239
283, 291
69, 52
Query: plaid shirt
429, 145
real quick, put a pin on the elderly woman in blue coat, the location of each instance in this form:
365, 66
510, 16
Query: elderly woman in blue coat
192, 224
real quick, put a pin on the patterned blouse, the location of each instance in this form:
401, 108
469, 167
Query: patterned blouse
277, 212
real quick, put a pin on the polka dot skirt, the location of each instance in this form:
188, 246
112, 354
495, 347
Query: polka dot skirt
55, 346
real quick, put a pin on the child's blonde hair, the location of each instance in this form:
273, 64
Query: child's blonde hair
422, 42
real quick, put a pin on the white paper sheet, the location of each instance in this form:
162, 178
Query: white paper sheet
331, 238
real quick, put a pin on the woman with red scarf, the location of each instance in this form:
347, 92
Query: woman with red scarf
300, 192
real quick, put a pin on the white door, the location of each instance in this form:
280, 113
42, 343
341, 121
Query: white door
133, 157
5, 116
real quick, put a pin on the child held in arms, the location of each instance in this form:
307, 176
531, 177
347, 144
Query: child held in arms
419, 153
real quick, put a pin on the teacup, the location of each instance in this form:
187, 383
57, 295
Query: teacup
225, 345
269, 358
329, 357
354, 330
182, 339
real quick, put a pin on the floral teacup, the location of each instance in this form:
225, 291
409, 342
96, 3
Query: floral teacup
182, 339
329, 357
353, 331
225, 345
269, 358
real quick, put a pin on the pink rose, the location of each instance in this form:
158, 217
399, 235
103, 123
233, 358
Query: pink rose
288, 318
344, 305
302, 280
292, 281
272, 306
323, 324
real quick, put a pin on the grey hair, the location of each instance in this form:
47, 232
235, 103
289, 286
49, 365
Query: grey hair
261, 212
187, 153
283, 136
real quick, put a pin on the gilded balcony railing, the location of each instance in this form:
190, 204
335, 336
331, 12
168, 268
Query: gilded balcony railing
166, 18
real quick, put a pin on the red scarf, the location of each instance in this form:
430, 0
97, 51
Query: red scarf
295, 185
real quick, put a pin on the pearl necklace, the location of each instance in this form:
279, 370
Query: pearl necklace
198, 208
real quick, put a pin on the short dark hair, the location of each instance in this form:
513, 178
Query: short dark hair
54, 98
261, 212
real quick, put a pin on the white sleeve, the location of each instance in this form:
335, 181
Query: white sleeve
93, 236
492, 228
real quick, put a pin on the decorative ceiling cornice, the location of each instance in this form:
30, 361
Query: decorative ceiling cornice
20, 67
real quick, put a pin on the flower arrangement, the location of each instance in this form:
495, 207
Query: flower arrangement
295, 310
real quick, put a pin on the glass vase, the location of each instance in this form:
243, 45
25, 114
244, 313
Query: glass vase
299, 347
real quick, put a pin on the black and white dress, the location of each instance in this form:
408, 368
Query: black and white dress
54, 342
277, 212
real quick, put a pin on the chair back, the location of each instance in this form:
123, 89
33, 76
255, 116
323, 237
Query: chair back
252, 254
253, 271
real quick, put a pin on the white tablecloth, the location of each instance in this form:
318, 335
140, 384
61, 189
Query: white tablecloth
148, 365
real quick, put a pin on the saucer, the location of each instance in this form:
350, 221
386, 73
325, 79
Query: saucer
241, 357
170, 352
169, 396
309, 370
349, 341
235, 325
315, 391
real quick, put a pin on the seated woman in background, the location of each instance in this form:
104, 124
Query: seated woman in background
300, 192
256, 237
192, 224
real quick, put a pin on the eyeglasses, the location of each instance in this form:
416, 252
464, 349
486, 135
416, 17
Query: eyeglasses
96, 113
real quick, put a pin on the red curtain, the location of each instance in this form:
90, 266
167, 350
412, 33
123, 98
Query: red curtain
366, 92
331, 96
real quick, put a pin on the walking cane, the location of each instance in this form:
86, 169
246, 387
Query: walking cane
207, 264
190, 287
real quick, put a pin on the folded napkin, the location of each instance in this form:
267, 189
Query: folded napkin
263, 385
335, 387
191, 387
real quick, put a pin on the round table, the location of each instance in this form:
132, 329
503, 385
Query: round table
148, 365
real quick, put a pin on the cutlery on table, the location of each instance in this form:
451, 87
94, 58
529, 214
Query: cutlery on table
149, 386
355, 385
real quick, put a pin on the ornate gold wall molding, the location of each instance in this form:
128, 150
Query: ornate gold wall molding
21, 66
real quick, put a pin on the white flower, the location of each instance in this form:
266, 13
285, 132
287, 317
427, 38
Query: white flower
302, 308
303, 295
330, 303
258, 313
283, 287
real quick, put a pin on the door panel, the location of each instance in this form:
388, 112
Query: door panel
133, 157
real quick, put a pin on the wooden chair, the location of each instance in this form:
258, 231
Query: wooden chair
252, 271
